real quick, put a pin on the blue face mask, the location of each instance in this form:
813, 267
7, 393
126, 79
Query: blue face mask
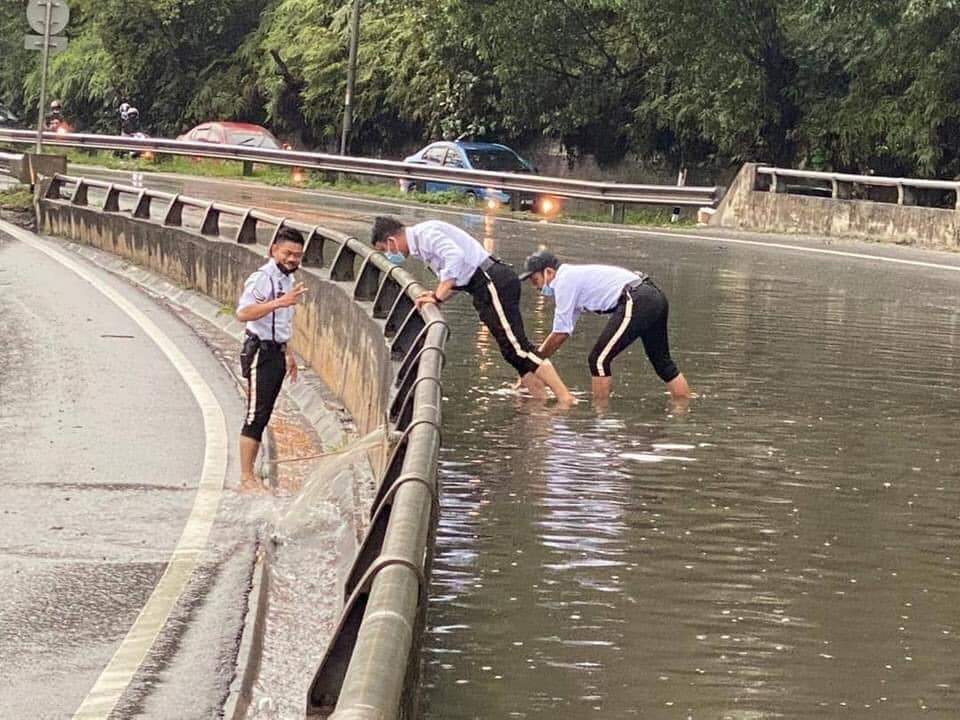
395, 257
546, 291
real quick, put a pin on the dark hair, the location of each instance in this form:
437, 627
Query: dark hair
288, 234
383, 226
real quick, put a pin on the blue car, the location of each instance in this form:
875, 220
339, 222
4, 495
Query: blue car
477, 156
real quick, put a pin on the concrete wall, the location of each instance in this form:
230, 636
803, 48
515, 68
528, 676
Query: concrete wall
336, 337
744, 208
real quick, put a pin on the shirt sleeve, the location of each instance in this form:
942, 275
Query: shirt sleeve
256, 290
566, 313
451, 258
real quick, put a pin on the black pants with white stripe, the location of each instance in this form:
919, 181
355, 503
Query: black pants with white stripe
264, 365
496, 298
641, 313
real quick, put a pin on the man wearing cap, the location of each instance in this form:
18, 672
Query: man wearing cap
267, 305
637, 309
462, 263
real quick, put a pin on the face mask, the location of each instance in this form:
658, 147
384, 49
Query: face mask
546, 291
394, 256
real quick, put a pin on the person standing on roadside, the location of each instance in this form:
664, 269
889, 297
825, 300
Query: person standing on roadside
637, 309
267, 305
462, 263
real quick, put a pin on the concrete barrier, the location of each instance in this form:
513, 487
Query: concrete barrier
746, 206
359, 331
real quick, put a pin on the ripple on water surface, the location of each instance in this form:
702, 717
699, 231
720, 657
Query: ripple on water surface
786, 548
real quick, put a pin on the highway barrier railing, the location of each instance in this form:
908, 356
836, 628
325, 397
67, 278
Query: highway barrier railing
616, 194
370, 669
841, 186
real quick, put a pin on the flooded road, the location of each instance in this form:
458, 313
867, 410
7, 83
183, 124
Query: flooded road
786, 548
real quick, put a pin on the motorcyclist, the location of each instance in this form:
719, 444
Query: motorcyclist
130, 124
54, 118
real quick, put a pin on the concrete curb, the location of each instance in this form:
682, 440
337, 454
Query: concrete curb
250, 651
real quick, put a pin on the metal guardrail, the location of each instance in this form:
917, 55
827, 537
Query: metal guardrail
371, 656
840, 184
614, 193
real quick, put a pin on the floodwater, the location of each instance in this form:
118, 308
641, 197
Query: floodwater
788, 547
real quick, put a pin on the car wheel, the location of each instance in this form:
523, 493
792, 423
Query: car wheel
471, 199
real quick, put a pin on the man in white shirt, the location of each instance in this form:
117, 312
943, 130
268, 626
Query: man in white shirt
462, 263
267, 305
637, 309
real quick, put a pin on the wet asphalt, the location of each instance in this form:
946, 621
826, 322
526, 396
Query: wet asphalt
101, 452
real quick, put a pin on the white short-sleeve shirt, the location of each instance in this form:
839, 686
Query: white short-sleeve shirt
586, 288
452, 253
264, 285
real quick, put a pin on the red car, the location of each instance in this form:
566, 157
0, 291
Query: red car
233, 133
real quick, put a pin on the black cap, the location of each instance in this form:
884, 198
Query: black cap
538, 262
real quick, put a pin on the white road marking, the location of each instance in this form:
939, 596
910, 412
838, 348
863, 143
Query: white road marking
115, 678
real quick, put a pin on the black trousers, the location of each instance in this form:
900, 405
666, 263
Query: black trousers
496, 298
641, 313
264, 365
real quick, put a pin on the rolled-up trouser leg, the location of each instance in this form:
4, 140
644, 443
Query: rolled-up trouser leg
497, 302
267, 370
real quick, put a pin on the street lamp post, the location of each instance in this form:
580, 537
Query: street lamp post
351, 76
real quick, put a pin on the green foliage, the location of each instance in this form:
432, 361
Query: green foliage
872, 84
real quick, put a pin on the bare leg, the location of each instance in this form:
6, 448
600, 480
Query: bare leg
548, 374
679, 390
248, 456
601, 388
536, 386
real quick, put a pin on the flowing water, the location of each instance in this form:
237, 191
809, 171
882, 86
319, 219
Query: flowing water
787, 547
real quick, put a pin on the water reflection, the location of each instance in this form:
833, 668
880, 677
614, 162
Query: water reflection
787, 548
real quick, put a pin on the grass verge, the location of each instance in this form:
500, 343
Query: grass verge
16, 199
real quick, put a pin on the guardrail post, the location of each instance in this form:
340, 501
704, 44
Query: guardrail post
369, 281
775, 184
956, 191
211, 222
276, 231
342, 268
142, 209
111, 203
79, 196
313, 250
906, 195
618, 212
174, 214
841, 190
247, 232
247, 168
56, 186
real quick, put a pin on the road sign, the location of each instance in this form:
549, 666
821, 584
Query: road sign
37, 15
58, 43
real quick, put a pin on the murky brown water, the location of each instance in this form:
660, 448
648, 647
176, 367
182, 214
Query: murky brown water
789, 547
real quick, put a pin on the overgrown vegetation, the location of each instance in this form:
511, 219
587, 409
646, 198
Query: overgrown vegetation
868, 85
16, 199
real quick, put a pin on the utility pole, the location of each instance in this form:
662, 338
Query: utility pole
351, 76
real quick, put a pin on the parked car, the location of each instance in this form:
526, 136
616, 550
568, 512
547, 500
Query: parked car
233, 133
478, 156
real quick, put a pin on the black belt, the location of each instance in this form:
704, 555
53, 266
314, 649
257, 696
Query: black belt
489, 263
480, 277
634, 284
267, 344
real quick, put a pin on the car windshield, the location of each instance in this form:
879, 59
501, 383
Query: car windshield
497, 160
252, 139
